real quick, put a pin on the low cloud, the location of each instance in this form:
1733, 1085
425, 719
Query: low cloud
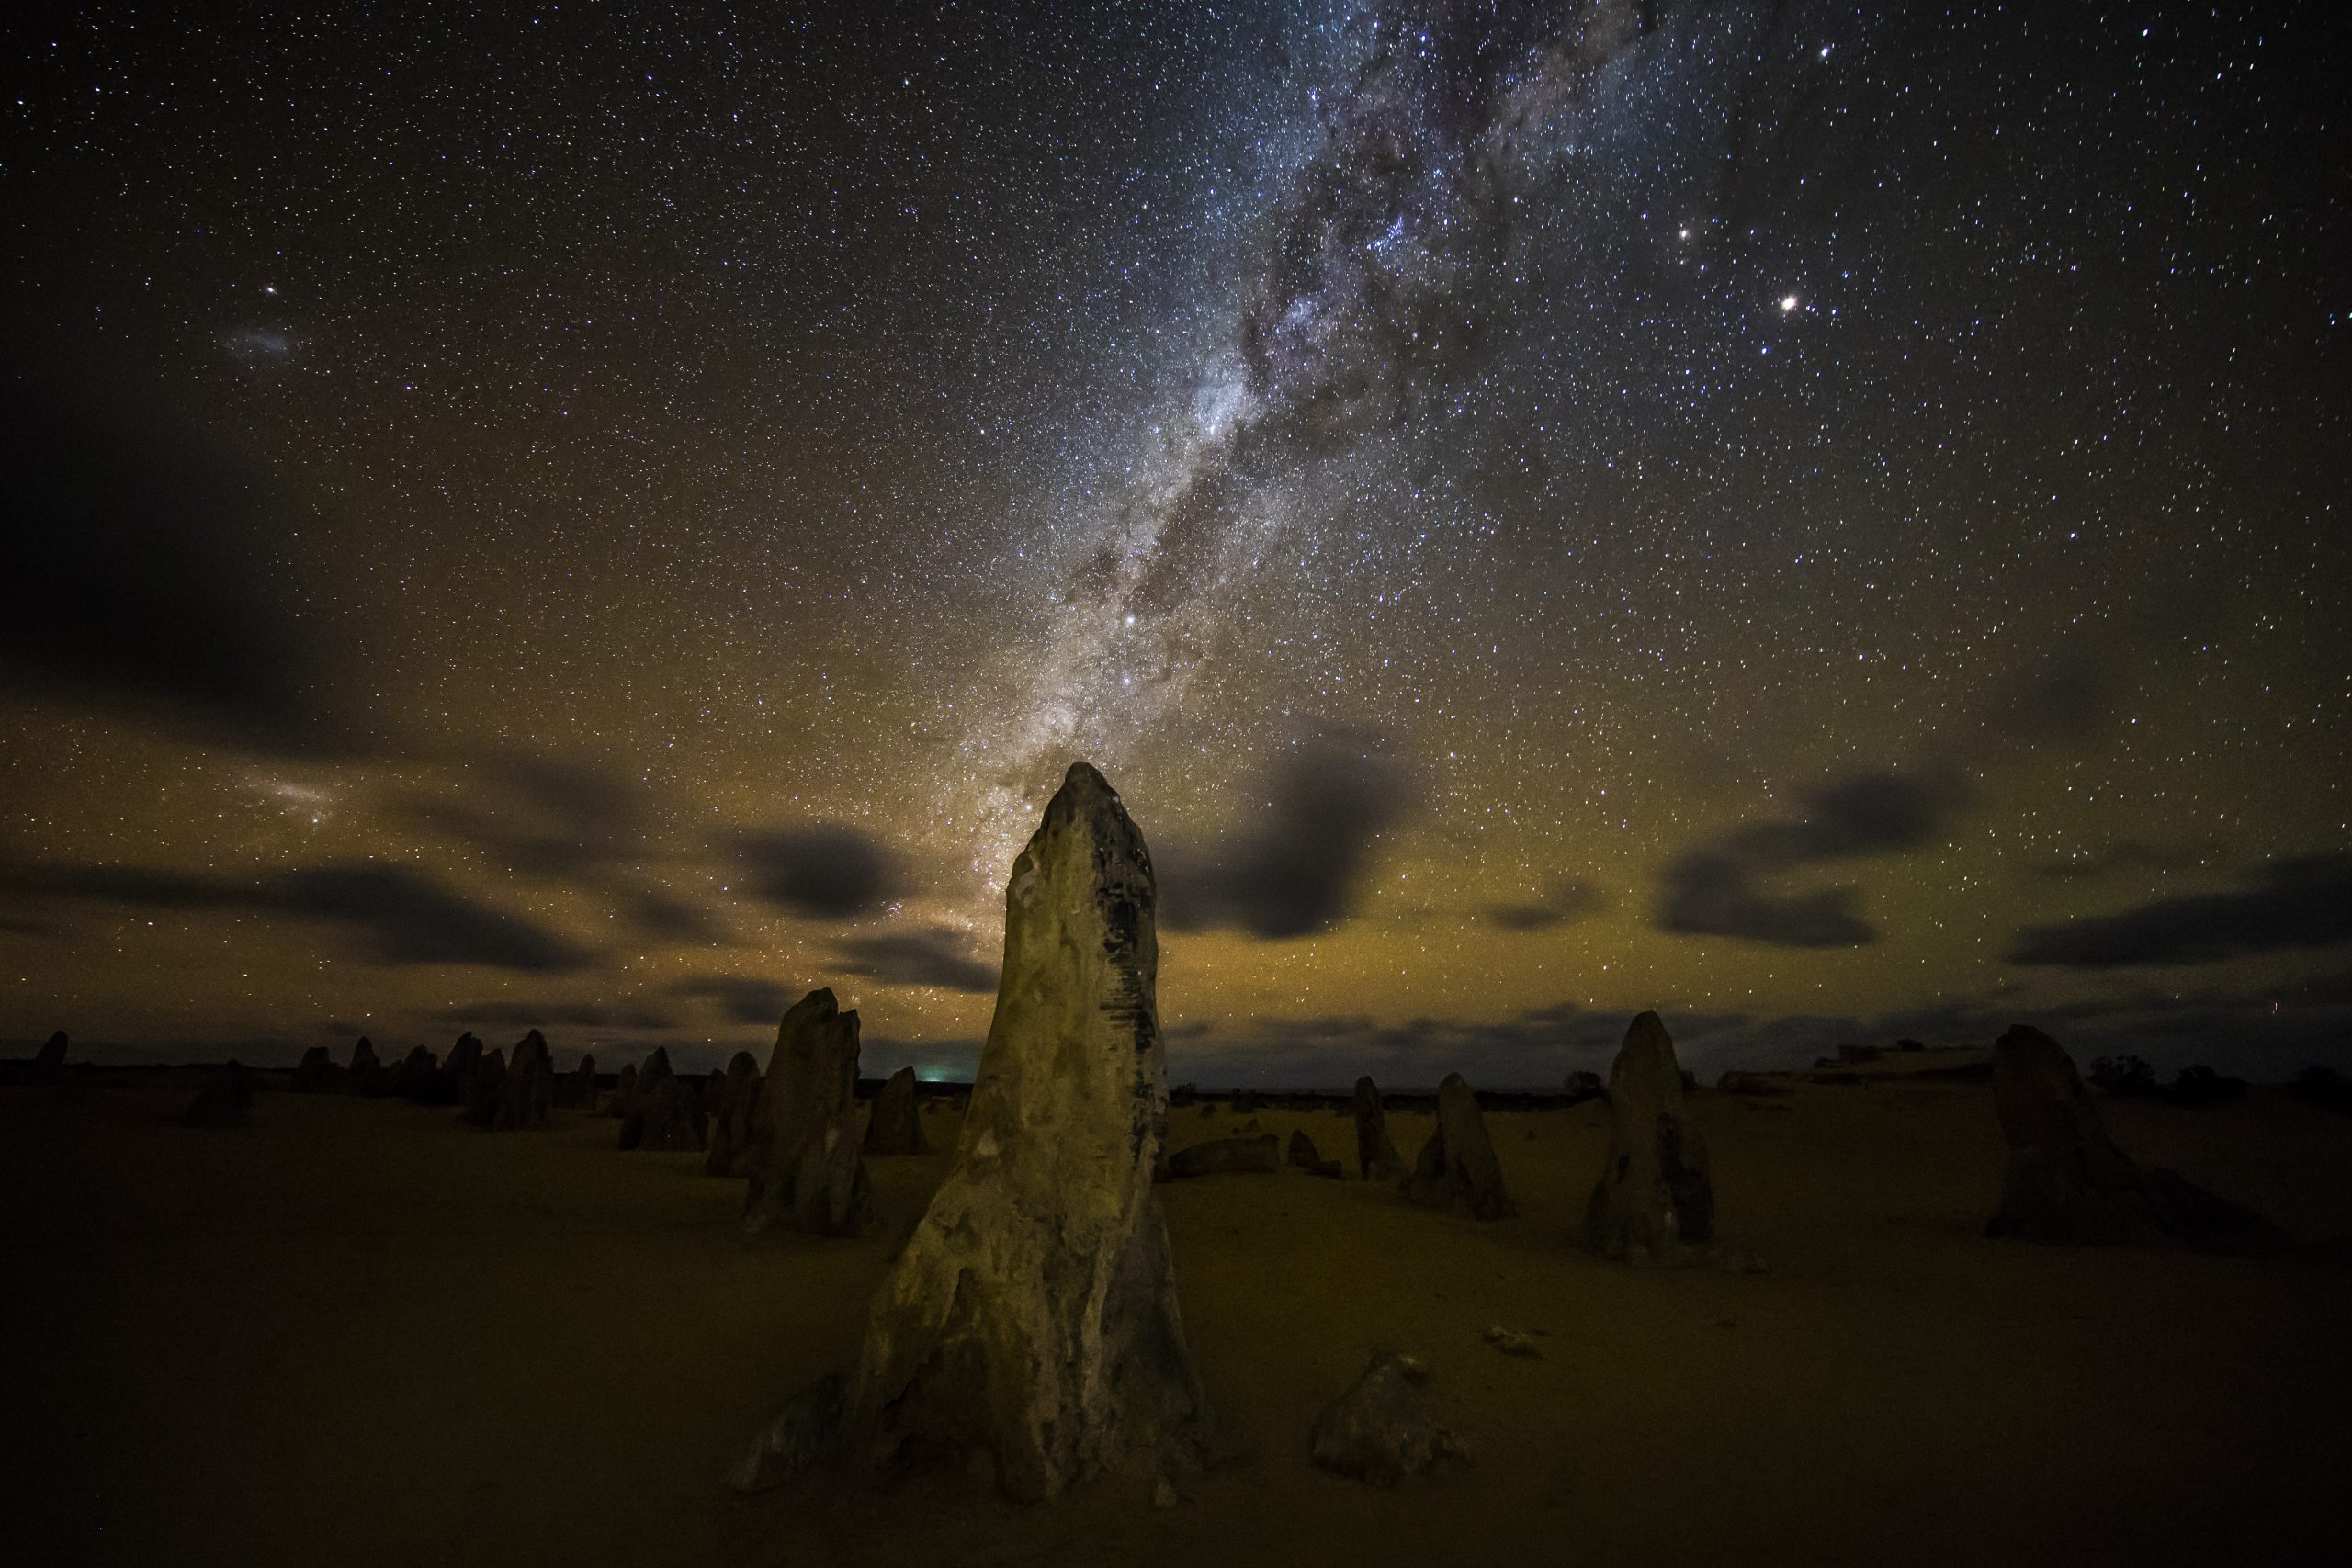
391, 914
1566, 901
828, 870
2293, 904
936, 957
1728, 885
1299, 865
741, 999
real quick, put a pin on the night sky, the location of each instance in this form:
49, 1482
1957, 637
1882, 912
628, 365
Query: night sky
1827, 520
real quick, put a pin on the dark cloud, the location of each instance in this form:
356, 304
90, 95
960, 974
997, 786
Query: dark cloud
138, 574
2126, 856
659, 917
1298, 867
937, 957
1725, 888
552, 1015
393, 915
2296, 904
1564, 903
829, 871
741, 998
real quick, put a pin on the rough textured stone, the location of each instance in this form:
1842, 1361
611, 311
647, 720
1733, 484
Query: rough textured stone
526, 1095
1457, 1167
1031, 1320
1379, 1431
577, 1092
734, 1119
316, 1073
2068, 1181
669, 1118
365, 1073
227, 1098
894, 1128
1227, 1156
1303, 1153
414, 1077
808, 1172
49, 1060
484, 1086
1654, 1201
458, 1069
1376, 1157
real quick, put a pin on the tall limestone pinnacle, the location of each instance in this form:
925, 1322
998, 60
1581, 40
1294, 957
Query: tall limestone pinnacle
1032, 1316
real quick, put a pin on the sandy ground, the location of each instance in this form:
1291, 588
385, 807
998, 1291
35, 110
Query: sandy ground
357, 1333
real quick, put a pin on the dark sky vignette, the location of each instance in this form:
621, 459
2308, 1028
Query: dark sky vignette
1821, 520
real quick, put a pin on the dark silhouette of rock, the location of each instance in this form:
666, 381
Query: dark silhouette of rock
623, 1093
1582, 1086
2068, 1181
809, 1170
526, 1091
1654, 1201
415, 1078
1031, 1319
1244, 1103
460, 1066
49, 1060
483, 1085
734, 1120
1260, 1155
894, 1128
1457, 1167
668, 1118
1379, 1431
226, 1100
1303, 1153
577, 1092
2322, 1088
365, 1073
1376, 1157
1751, 1084
316, 1073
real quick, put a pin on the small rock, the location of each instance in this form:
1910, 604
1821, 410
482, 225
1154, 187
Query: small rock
1511, 1342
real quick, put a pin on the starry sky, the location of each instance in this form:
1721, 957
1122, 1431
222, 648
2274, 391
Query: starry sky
1824, 519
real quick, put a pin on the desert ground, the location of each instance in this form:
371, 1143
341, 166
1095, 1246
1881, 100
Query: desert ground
357, 1332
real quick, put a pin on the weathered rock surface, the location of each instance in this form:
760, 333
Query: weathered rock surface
809, 1171
2068, 1181
1031, 1320
527, 1094
365, 1073
226, 1100
577, 1092
894, 1128
1655, 1197
1376, 1157
734, 1119
1379, 1431
458, 1069
668, 1119
1457, 1167
316, 1073
1260, 1155
484, 1086
416, 1077
49, 1060
1303, 1153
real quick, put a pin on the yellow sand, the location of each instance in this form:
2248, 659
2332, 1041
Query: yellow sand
360, 1334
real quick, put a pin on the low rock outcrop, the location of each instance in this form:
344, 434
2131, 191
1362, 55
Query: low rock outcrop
1260, 1155
1457, 1167
1379, 1431
1376, 1157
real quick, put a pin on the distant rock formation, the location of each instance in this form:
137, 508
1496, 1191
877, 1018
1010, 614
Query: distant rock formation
894, 1128
1260, 1155
809, 1171
365, 1073
452, 1082
2068, 1181
669, 1118
1376, 1157
316, 1073
1303, 1153
226, 1100
526, 1091
623, 1093
1457, 1167
416, 1076
1031, 1320
734, 1119
49, 1060
577, 1092
484, 1086
1654, 1199
1379, 1431
1760, 1084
